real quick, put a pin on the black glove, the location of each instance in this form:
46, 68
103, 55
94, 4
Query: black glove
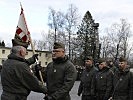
93, 97
105, 98
35, 56
38, 67
78, 94
48, 98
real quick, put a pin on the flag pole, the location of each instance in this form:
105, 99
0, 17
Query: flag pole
32, 46
37, 62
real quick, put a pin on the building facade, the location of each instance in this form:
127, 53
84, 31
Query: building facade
44, 56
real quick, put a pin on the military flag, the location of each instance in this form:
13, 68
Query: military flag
22, 37
22, 34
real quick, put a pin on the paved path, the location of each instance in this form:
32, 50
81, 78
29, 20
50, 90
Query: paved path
39, 96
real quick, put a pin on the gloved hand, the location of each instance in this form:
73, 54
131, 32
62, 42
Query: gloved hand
78, 94
93, 97
35, 56
48, 98
105, 98
38, 67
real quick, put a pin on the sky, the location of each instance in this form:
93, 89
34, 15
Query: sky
104, 12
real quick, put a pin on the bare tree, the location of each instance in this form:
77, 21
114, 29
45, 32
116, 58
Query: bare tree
71, 21
39, 44
105, 41
56, 23
118, 36
60, 25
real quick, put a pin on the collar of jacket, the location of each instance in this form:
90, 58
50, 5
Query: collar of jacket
104, 68
15, 57
124, 71
60, 60
89, 68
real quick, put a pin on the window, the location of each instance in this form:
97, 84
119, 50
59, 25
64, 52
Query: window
46, 55
46, 63
40, 54
3, 61
3, 51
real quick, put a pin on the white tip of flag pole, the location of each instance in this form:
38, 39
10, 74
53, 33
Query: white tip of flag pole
21, 6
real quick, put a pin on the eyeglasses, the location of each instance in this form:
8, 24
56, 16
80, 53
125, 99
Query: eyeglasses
57, 50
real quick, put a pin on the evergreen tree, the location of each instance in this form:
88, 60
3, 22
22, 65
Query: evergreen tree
86, 36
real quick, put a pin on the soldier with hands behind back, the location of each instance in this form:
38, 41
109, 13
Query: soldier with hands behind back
122, 82
102, 82
86, 80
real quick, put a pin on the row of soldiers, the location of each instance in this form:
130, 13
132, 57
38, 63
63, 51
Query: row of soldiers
106, 81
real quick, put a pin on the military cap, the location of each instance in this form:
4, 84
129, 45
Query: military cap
101, 60
17, 42
58, 45
121, 59
89, 58
110, 60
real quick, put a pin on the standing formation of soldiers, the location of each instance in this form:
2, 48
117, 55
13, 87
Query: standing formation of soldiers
106, 82
102, 82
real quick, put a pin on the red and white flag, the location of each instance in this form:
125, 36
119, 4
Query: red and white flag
22, 29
